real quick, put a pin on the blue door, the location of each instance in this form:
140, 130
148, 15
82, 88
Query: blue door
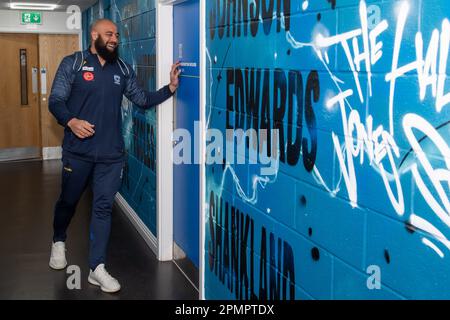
186, 176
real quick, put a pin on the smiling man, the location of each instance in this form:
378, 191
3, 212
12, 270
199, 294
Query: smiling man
86, 100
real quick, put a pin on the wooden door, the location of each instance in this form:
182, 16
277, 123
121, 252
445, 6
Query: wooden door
52, 49
19, 105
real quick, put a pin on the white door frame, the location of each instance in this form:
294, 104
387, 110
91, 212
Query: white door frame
164, 164
164, 45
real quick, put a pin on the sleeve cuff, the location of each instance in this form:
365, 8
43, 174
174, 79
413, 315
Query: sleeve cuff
67, 118
169, 92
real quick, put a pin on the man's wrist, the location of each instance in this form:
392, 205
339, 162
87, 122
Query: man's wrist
70, 121
172, 88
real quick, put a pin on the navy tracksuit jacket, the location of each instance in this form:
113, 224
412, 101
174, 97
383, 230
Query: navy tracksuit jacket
86, 90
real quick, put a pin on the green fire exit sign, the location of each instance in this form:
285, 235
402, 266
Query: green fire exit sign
31, 17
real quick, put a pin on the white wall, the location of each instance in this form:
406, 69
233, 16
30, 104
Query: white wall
52, 22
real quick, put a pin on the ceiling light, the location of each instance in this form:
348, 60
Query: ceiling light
32, 6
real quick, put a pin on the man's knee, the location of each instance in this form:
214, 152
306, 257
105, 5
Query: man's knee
66, 202
102, 205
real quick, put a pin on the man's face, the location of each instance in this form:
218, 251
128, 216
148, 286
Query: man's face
106, 40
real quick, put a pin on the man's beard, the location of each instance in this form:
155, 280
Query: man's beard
102, 51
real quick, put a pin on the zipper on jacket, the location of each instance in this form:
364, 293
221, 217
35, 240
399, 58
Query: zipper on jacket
102, 105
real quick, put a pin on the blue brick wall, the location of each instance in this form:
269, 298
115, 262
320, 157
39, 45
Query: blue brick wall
136, 24
356, 205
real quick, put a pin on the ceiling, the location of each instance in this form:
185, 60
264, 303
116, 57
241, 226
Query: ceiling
63, 4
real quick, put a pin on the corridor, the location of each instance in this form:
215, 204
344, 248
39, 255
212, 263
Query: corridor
28, 191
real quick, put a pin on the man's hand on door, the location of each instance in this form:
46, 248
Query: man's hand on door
174, 74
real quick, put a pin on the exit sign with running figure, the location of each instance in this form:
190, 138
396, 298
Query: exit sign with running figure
31, 18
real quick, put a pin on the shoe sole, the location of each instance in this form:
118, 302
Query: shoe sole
54, 267
96, 283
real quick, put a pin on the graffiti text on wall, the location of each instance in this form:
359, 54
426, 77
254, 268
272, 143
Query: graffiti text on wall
253, 111
374, 140
232, 256
226, 15
363, 139
366, 107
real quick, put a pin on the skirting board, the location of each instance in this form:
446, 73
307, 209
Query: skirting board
14, 154
51, 153
145, 233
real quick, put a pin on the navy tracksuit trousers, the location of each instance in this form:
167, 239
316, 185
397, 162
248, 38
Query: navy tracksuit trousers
105, 179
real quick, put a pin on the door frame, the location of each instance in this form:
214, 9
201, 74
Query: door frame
165, 116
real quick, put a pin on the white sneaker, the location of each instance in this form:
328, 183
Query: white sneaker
100, 277
58, 256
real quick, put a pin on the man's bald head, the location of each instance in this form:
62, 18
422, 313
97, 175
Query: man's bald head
103, 27
102, 23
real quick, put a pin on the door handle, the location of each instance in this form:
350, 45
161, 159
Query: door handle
43, 81
34, 79
23, 77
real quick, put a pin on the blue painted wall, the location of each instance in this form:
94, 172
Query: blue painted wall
137, 26
356, 202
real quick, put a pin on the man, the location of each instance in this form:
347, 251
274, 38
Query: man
86, 100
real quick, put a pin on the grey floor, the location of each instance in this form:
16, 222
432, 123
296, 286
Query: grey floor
28, 191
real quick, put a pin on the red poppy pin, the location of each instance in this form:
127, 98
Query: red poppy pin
88, 76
